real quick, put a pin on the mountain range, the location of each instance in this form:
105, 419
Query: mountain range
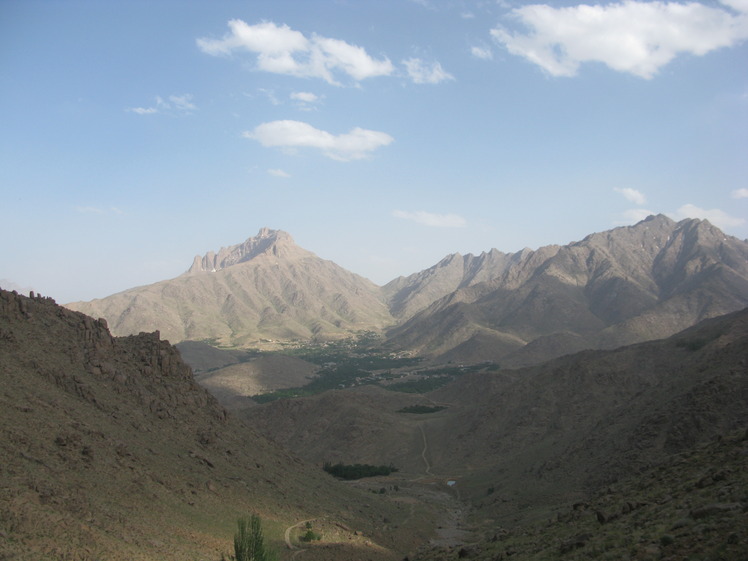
111, 449
626, 285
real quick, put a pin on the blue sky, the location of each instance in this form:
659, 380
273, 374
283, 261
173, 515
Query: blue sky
381, 134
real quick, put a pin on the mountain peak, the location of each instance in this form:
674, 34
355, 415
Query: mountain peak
267, 241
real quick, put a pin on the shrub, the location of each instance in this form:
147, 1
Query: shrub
310, 536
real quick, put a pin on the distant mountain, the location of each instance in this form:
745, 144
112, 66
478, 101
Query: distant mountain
265, 288
628, 284
625, 285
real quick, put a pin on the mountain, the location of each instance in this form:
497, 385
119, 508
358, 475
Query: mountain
110, 450
639, 448
267, 288
629, 284
613, 288
524, 445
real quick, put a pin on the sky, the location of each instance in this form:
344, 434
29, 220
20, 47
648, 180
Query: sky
382, 135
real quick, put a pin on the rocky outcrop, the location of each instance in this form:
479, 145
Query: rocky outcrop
275, 243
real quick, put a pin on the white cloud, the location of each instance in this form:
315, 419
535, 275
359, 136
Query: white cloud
422, 73
282, 50
306, 97
629, 36
740, 193
483, 53
306, 101
143, 110
355, 145
431, 219
279, 173
632, 195
717, 217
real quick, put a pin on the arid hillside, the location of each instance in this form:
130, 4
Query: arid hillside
110, 450
522, 444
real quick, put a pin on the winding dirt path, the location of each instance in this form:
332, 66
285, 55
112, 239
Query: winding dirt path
287, 537
425, 449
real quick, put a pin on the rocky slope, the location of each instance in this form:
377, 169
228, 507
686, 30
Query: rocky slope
110, 450
613, 288
692, 506
520, 443
267, 288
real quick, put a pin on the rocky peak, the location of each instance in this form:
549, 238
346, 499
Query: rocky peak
275, 243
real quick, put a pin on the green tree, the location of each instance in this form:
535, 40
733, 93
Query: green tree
249, 543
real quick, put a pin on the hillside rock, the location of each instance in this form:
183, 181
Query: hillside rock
273, 243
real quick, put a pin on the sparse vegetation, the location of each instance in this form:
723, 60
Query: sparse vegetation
310, 535
357, 471
249, 543
345, 364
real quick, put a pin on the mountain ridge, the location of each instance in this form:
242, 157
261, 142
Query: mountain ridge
624, 285
612, 288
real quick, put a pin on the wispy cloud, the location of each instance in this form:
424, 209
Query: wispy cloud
431, 219
629, 36
279, 173
632, 195
740, 194
483, 53
143, 110
306, 97
716, 216
282, 50
306, 101
181, 103
357, 144
173, 104
426, 73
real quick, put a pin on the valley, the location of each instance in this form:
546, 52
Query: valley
587, 401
